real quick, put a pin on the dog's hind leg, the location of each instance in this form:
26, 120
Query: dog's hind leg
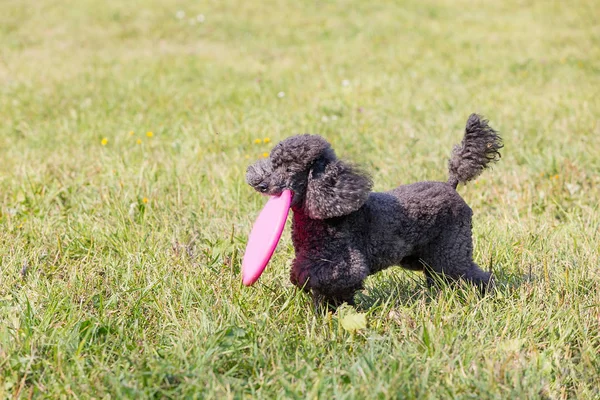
450, 258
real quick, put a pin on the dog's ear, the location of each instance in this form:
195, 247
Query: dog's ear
334, 189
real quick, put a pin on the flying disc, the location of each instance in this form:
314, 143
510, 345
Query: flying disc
264, 236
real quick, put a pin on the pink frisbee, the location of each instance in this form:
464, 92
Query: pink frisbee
264, 236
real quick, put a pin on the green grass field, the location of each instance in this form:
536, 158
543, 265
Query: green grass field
120, 249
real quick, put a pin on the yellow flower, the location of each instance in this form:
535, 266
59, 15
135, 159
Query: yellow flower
139, 141
246, 156
266, 140
265, 155
257, 141
145, 200
131, 133
555, 176
104, 141
149, 134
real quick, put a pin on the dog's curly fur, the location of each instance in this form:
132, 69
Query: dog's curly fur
342, 232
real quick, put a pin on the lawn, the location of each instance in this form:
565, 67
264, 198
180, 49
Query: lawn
125, 131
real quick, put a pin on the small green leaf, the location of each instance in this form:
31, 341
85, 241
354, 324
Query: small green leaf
354, 322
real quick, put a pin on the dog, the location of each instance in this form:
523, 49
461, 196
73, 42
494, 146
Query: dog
343, 232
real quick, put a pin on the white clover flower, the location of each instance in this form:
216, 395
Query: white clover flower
573, 188
180, 14
281, 94
132, 209
324, 118
200, 18
345, 83
334, 117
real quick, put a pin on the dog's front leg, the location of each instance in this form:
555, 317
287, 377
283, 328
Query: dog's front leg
330, 282
322, 302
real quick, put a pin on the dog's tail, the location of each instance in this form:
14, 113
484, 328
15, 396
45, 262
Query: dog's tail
479, 147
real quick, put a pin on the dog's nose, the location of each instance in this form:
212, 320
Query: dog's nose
262, 187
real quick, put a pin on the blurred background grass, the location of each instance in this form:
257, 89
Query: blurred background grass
120, 249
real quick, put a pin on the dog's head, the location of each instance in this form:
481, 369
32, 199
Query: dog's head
323, 186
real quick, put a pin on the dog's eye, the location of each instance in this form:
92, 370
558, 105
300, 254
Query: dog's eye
288, 169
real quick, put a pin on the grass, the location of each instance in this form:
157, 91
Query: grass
120, 253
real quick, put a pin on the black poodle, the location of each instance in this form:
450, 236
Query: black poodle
342, 232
